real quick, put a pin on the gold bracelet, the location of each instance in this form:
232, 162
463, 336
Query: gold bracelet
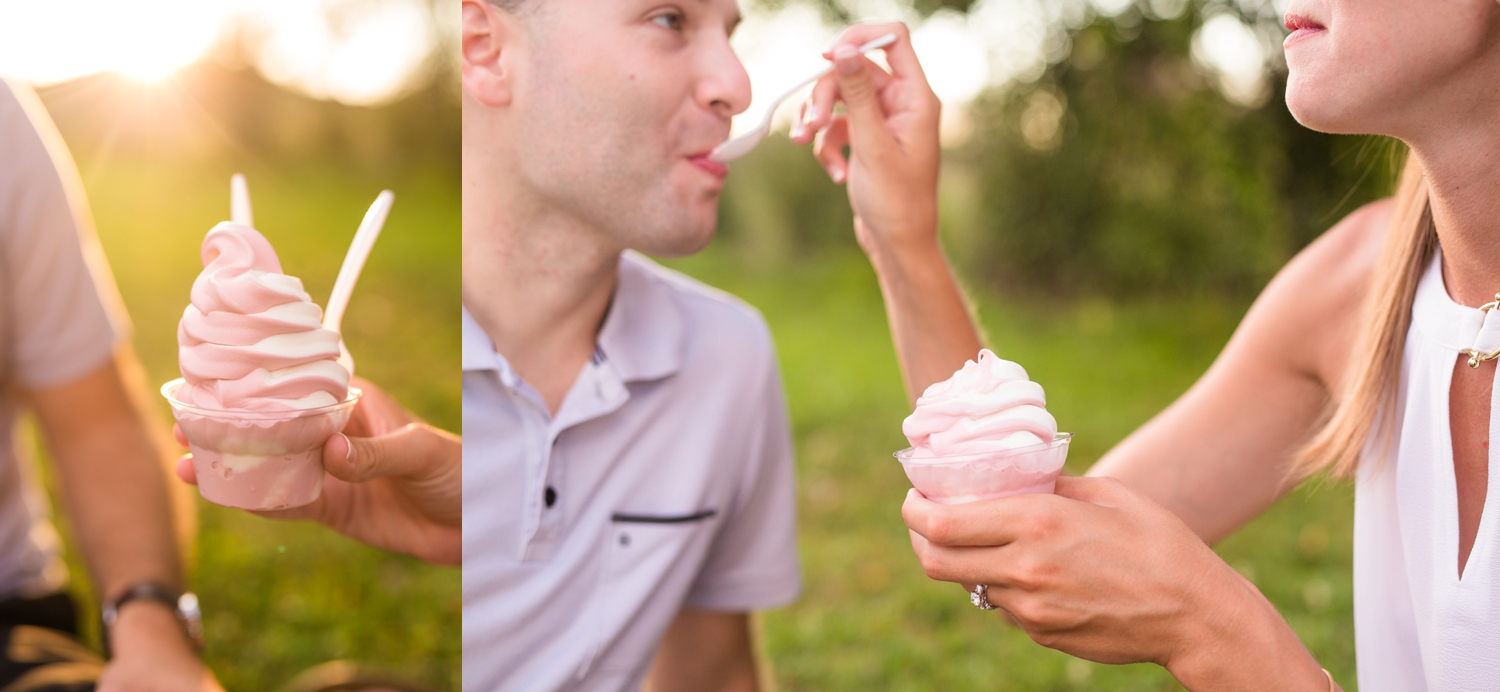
1332, 687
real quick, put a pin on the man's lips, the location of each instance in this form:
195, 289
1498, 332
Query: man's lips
714, 168
1301, 27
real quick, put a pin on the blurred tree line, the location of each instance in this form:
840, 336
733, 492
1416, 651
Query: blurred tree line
1121, 170
221, 107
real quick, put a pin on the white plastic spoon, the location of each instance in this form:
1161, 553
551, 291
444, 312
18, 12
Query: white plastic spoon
354, 263
239, 201
739, 146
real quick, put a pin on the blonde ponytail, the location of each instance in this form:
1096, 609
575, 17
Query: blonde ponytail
1372, 379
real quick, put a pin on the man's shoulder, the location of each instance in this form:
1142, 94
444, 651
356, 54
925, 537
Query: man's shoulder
13, 94
27, 136
19, 107
712, 317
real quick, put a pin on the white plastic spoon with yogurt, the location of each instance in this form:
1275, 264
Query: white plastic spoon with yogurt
743, 144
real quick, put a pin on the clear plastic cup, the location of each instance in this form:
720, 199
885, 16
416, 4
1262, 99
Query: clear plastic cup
952, 480
258, 459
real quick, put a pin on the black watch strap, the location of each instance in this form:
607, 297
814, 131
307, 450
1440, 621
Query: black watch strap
183, 604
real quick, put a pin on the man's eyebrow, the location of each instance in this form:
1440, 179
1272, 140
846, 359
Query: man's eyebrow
734, 22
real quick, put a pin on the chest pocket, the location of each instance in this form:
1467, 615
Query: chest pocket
650, 562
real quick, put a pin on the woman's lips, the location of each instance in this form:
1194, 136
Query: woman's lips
1301, 28
714, 168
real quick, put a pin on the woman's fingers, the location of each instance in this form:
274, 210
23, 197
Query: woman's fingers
861, 97
185, 470
965, 565
413, 451
830, 149
986, 523
799, 133
817, 112
899, 55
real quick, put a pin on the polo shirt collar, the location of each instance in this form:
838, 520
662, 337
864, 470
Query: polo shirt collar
644, 335
479, 351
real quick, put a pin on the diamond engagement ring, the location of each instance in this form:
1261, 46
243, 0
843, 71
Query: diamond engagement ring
980, 597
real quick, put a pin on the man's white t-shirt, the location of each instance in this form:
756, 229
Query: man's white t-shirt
60, 319
664, 482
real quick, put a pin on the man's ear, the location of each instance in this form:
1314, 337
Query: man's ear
488, 41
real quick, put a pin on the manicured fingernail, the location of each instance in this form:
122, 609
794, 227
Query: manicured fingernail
348, 447
843, 57
797, 130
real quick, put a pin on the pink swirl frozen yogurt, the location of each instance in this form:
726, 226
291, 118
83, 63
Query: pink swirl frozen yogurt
989, 405
252, 339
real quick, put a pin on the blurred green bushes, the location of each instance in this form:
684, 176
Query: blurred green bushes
1122, 170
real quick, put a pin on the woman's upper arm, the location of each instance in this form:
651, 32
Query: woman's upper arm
1219, 455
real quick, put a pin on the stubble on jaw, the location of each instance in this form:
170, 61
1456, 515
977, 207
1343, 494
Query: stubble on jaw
591, 150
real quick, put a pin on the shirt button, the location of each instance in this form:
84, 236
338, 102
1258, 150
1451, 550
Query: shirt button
624, 540
550, 497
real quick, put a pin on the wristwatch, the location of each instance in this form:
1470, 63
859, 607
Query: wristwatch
183, 603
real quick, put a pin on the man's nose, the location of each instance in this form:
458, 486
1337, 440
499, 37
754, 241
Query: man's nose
723, 84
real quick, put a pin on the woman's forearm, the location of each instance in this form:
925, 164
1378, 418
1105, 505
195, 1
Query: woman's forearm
930, 322
1238, 641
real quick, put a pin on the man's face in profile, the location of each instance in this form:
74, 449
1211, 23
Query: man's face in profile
616, 106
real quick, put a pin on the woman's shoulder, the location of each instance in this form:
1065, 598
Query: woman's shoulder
1337, 265
1318, 297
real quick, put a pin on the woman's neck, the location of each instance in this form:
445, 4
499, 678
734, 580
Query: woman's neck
1463, 178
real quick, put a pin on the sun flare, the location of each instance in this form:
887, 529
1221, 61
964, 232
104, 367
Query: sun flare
363, 56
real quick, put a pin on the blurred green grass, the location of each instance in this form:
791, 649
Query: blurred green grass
868, 617
281, 597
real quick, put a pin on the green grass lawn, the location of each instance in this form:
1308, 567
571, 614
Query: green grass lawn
869, 619
281, 597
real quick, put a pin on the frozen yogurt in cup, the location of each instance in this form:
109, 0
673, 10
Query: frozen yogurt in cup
258, 459
983, 434
261, 387
951, 480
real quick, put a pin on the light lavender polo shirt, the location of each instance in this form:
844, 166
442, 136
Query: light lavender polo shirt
60, 319
664, 482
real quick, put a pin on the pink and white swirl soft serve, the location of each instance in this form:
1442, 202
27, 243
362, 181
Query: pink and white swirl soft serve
989, 405
252, 339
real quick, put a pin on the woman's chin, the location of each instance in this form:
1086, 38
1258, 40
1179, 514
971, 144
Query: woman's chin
1314, 110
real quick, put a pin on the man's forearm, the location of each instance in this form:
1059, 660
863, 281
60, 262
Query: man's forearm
706, 651
115, 489
929, 319
113, 480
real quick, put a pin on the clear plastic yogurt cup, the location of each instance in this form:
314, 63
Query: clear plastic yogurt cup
258, 459
956, 479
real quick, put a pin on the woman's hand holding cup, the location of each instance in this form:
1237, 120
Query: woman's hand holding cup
392, 481
1099, 572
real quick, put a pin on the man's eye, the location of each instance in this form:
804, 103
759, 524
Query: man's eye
670, 20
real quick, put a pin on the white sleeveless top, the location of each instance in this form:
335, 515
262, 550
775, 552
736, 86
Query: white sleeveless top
1417, 625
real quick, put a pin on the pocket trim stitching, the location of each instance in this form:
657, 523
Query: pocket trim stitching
622, 518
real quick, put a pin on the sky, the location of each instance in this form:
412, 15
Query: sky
366, 51
322, 47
